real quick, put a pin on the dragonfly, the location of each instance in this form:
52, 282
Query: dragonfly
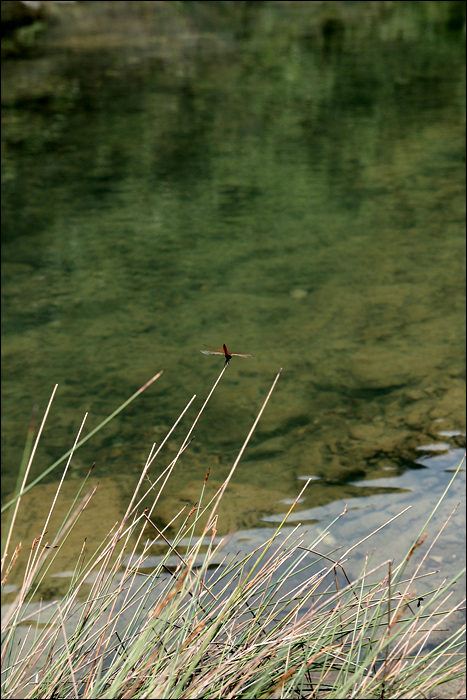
228, 355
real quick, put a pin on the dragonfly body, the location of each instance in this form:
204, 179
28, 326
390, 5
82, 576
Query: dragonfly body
228, 355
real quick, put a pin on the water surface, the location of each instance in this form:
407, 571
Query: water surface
289, 184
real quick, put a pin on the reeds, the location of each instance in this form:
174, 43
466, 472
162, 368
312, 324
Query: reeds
282, 621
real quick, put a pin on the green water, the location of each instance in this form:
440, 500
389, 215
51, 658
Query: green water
289, 184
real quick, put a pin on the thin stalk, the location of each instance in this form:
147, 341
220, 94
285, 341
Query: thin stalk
83, 441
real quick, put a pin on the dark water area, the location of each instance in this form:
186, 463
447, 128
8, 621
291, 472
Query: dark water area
288, 179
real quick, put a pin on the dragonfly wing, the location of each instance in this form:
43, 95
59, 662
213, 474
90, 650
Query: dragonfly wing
224, 351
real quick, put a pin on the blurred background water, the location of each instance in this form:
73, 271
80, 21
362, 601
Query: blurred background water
285, 178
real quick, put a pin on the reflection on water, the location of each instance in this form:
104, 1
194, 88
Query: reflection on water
297, 194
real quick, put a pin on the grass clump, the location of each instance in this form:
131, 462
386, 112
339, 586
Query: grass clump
282, 621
